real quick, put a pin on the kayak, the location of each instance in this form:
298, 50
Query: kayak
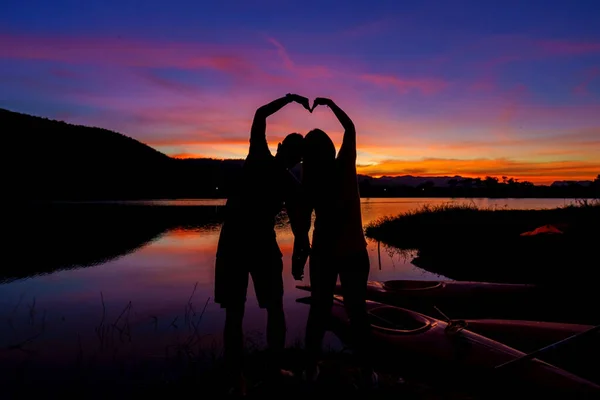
476, 300
579, 357
526, 336
416, 343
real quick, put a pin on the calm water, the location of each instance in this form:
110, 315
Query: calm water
146, 293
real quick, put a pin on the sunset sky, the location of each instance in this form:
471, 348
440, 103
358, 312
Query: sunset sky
472, 88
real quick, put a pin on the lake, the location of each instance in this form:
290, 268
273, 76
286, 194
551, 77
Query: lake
157, 292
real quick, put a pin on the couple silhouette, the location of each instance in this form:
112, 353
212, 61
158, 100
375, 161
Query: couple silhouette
248, 245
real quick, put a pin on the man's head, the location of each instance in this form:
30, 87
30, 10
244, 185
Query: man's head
289, 151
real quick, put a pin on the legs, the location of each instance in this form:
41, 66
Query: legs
233, 338
322, 281
276, 332
354, 273
231, 283
268, 285
276, 328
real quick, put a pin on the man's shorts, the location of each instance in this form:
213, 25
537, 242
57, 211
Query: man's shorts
231, 279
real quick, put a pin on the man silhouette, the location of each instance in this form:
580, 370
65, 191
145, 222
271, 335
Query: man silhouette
247, 243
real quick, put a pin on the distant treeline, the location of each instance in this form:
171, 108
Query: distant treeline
477, 187
53, 160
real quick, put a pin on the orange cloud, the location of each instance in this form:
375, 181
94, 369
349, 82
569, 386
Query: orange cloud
188, 155
536, 172
200, 140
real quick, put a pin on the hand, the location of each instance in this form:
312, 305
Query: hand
303, 101
321, 101
299, 258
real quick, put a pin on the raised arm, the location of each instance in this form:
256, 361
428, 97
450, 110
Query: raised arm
348, 148
258, 132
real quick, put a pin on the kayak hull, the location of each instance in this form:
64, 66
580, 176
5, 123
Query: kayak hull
476, 300
579, 357
416, 343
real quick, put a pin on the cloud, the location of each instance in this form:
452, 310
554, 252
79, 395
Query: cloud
371, 28
196, 98
188, 155
567, 48
404, 86
123, 52
259, 66
590, 76
304, 71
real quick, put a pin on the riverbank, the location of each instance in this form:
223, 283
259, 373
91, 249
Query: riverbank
180, 373
465, 242
130, 353
338, 377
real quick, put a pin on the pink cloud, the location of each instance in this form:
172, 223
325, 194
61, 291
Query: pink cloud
425, 86
257, 66
306, 72
121, 52
483, 85
590, 75
374, 27
564, 47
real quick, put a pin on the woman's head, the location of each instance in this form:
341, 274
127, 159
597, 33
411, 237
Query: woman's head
318, 148
318, 158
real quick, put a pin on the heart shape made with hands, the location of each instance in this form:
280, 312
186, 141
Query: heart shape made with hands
305, 102
319, 101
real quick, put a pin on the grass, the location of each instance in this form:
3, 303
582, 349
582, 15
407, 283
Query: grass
114, 361
470, 243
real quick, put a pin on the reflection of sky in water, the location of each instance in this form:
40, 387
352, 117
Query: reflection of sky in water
159, 278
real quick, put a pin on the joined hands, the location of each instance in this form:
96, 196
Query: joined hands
305, 102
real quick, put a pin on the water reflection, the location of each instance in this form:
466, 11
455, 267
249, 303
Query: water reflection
153, 257
48, 239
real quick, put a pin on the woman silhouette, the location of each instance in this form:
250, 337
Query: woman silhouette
339, 247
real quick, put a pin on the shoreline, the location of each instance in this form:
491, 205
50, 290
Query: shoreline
464, 242
379, 196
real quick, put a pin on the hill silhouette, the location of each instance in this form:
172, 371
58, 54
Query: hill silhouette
54, 160
61, 161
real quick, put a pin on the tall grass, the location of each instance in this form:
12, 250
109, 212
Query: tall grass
114, 352
466, 242
450, 222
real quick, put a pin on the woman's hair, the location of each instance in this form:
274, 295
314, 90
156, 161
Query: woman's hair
318, 146
318, 163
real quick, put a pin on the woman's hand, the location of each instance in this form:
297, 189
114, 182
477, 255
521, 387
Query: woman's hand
321, 101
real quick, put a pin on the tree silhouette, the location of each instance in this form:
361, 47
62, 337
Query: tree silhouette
491, 182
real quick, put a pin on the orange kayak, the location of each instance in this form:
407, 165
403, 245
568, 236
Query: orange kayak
418, 344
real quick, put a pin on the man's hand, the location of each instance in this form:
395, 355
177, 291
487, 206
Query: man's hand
298, 263
299, 257
303, 101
